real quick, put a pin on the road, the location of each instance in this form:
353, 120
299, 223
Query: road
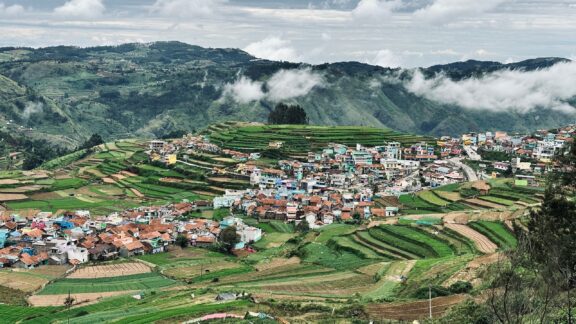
472, 153
468, 171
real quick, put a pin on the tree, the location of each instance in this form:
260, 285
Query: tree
94, 140
287, 114
229, 238
303, 226
182, 241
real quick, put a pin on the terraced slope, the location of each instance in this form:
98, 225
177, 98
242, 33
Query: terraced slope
483, 244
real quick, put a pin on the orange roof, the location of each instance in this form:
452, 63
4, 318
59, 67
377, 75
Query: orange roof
134, 246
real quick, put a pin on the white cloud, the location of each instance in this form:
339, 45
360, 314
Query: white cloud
286, 84
375, 9
273, 48
13, 10
386, 58
244, 90
32, 108
446, 11
85, 9
504, 90
187, 8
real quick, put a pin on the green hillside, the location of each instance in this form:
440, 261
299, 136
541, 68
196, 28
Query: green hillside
149, 90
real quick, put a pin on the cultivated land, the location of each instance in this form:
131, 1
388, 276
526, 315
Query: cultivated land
441, 237
298, 139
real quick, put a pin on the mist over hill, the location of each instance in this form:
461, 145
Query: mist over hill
149, 90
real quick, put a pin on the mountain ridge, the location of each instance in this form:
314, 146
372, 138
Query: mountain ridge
149, 90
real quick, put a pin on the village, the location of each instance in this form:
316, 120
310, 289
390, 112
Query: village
336, 184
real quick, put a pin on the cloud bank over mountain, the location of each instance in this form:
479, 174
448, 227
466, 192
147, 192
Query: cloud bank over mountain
283, 85
511, 90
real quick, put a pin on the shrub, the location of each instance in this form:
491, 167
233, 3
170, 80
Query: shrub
460, 287
437, 291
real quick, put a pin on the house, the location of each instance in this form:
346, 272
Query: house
482, 187
103, 252
132, 249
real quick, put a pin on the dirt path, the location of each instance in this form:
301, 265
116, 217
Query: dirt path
483, 244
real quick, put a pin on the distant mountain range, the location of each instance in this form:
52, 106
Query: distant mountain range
66, 93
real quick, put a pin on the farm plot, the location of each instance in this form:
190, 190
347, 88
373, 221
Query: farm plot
483, 244
110, 270
413, 310
448, 195
124, 283
201, 268
498, 200
483, 203
84, 298
497, 232
337, 284
430, 197
408, 239
21, 281
321, 254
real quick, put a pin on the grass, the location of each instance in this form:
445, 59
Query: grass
143, 281
321, 254
433, 199
328, 232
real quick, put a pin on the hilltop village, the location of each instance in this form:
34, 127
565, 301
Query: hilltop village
334, 184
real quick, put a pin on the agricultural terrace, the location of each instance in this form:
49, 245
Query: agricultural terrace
115, 177
299, 139
503, 196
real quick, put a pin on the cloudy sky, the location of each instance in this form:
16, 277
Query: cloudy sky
403, 33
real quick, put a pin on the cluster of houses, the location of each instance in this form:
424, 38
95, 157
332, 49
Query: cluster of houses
318, 208
529, 155
30, 238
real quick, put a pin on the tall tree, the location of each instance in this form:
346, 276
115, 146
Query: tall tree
229, 238
288, 114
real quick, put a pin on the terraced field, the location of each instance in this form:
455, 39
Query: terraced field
122, 283
497, 232
483, 244
299, 139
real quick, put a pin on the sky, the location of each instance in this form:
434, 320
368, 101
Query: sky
390, 33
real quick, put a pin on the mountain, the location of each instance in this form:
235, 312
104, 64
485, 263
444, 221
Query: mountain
65, 94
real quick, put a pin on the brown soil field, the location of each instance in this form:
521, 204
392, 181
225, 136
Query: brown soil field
12, 197
413, 310
137, 193
483, 244
9, 181
108, 180
21, 281
196, 270
128, 174
82, 299
483, 203
171, 180
45, 196
110, 270
277, 262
